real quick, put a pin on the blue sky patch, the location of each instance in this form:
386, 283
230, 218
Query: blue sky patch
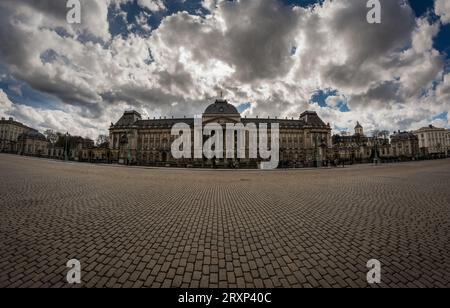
320, 98
22, 93
442, 116
243, 107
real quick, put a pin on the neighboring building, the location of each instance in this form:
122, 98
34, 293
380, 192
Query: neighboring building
448, 142
78, 148
10, 131
303, 142
99, 154
359, 148
55, 152
433, 141
405, 146
359, 130
87, 152
32, 143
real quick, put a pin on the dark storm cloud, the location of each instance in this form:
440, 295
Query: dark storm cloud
366, 44
256, 39
51, 8
260, 37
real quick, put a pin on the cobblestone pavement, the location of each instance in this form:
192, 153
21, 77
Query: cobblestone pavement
133, 227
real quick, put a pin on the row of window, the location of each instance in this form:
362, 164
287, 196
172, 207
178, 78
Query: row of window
435, 135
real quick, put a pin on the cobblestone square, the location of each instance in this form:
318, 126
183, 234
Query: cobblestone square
136, 227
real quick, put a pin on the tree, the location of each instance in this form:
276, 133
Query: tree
380, 134
375, 133
385, 134
51, 136
102, 139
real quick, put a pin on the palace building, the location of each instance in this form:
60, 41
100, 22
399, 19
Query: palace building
304, 142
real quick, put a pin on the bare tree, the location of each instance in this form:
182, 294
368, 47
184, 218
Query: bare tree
375, 133
51, 135
380, 134
102, 139
384, 134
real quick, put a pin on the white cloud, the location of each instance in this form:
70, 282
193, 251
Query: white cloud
152, 5
442, 9
5, 103
69, 119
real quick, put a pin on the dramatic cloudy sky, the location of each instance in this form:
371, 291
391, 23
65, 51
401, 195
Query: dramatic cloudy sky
269, 57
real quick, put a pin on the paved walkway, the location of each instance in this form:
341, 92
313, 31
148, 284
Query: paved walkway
134, 227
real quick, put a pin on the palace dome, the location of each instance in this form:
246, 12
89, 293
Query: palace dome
221, 106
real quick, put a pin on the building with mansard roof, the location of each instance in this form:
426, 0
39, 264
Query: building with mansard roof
32, 143
405, 145
304, 142
10, 130
359, 148
433, 141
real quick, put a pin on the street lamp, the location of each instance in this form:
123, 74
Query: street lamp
66, 158
317, 154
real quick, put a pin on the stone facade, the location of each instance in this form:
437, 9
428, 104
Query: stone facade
304, 142
448, 142
433, 141
10, 131
55, 152
405, 145
93, 154
359, 148
81, 150
32, 143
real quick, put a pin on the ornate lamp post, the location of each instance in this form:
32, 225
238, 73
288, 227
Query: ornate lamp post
376, 158
317, 156
129, 154
66, 155
124, 142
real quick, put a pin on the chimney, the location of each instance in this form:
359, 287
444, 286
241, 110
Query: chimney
3, 118
11, 119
